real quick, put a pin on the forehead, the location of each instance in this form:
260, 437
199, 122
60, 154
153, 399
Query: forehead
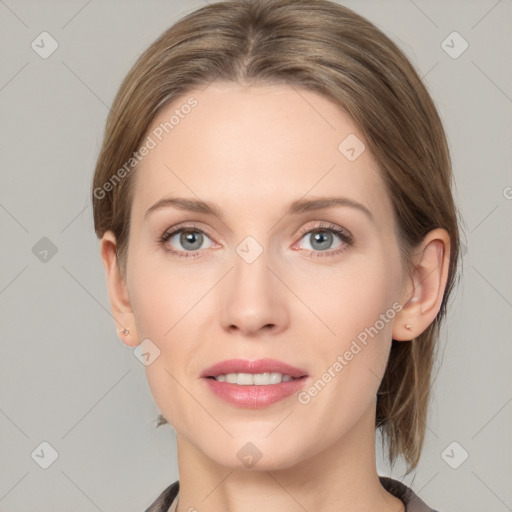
253, 145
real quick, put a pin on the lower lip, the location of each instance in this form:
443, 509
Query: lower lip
255, 397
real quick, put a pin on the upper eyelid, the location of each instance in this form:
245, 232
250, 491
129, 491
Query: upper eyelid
326, 227
177, 229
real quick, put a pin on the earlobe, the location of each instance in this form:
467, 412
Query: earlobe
424, 295
120, 305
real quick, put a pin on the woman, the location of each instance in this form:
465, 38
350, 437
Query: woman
294, 147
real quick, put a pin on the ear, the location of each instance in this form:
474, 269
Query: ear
118, 292
423, 293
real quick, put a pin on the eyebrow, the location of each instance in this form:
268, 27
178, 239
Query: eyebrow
296, 207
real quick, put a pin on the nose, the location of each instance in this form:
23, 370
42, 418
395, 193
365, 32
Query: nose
254, 299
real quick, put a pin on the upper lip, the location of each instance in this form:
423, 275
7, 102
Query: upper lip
258, 366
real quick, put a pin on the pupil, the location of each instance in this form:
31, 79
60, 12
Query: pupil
324, 239
192, 237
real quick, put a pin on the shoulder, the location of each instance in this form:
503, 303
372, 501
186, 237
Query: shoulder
163, 502
412, 502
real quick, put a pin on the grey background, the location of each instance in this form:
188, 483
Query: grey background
66, 378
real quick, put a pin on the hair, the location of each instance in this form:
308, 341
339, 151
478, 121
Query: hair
326, 48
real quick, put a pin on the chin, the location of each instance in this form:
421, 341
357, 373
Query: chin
260, 454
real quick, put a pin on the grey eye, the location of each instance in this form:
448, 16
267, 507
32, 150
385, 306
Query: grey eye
188, 239
321, 240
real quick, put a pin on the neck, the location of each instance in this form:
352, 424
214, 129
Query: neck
341, 478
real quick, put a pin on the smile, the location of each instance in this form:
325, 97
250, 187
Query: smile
256, 379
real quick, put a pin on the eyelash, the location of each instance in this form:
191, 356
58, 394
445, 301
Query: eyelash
344, 235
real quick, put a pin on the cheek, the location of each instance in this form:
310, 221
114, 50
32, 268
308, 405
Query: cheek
350, 364
351, 299
356, 307
161, 294
166, 310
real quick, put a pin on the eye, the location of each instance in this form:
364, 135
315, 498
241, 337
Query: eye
188, 240
326, 240
321, 240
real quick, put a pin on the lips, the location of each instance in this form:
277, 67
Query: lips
258, 366
254, 396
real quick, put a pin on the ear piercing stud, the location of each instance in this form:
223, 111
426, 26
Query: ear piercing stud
126, 332
408, 327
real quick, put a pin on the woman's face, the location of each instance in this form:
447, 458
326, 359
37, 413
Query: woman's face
273, 274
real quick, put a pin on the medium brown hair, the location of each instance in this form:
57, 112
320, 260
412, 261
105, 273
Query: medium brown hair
326, 48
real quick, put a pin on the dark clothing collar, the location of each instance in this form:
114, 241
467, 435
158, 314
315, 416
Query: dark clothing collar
398, 489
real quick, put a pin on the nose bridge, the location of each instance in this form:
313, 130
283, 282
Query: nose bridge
252, 279
252, 300
251, 263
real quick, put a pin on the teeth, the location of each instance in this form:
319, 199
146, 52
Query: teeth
257, 379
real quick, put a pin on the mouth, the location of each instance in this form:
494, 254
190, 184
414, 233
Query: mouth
254, 384
256, 379
262, 372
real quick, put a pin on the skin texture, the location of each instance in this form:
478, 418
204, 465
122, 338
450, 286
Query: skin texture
252, 150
